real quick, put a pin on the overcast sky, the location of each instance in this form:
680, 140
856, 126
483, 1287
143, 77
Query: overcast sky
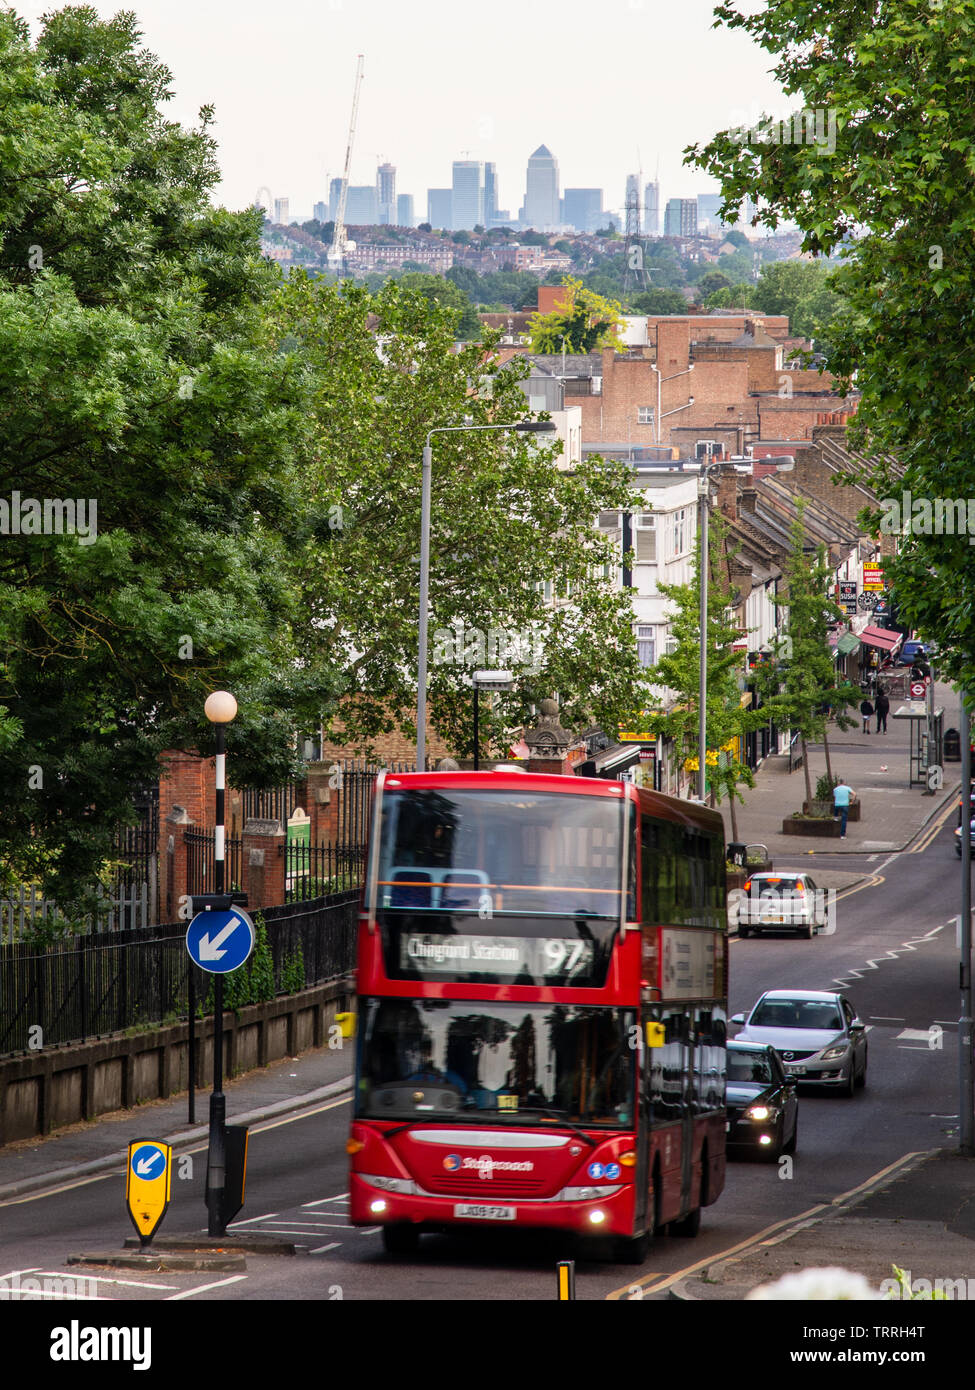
604, 86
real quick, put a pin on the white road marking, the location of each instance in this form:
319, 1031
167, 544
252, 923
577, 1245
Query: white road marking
872, 857
324, 1249
914, 1034
205, 1288
268, 1217
342, 1197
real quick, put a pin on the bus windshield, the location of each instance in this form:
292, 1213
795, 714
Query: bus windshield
530, 1063
504, 853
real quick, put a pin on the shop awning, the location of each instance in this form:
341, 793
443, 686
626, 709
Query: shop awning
881, 637
847, 644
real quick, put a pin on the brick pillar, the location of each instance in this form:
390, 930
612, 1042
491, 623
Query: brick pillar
322, 803
264, 866
173, 860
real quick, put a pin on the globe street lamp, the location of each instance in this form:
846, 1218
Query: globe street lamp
521, 427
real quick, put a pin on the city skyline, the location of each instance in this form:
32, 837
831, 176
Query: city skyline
434, 92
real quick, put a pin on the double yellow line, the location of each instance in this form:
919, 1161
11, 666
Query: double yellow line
928, 834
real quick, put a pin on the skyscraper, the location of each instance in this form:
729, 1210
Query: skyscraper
334, 194
542, 190
467, 207
386, 193
320, 212
651, 208
439, 207
680, 217
361, 207
490, 193
405, 216
708, 205
281, 211
582, 208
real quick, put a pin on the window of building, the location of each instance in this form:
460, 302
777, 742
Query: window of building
678, 533
644, 414
646, 646
645, 538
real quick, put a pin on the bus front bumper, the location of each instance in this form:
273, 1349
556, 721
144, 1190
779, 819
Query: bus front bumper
607, 1213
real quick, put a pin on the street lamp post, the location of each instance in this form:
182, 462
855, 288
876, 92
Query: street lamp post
522, 427
220, 709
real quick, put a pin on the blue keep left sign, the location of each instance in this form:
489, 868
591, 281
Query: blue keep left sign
220, 941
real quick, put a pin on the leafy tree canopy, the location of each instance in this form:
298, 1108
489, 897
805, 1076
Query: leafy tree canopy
887, 185
587, 323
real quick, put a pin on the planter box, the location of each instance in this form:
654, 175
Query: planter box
736, 878
825, 808
814, 826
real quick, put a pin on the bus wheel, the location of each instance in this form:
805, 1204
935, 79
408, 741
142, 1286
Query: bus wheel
401, 1239
633, 1250
689, 1225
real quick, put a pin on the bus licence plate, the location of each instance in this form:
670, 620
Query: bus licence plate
474, 1211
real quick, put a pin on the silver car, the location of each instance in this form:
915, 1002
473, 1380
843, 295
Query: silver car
817, 1035
781, 902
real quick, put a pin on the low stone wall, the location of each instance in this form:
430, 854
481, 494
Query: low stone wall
40, 1091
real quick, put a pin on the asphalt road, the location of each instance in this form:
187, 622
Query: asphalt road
893, 952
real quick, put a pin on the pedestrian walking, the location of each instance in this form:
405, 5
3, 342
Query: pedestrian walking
866, 709
882, 706
842, 796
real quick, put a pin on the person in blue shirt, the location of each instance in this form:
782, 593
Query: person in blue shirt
842, 796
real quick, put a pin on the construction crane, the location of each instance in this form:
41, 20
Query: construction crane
336, 255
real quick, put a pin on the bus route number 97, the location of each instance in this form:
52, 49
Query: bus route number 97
562, 957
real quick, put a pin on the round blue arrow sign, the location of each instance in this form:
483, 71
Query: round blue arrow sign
220, 941
148, 1161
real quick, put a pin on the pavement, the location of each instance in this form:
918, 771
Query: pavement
920, 1214
877, 767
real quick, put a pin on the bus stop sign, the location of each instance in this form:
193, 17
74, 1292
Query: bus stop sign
148, 1184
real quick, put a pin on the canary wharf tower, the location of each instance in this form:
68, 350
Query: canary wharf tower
542, 190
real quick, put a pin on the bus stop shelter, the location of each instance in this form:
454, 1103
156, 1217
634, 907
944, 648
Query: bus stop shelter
925, 745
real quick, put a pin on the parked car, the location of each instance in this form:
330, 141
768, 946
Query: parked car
783, 902
907, 653
817, 1035
762, 1103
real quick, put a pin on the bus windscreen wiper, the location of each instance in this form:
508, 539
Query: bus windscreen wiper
552, 1114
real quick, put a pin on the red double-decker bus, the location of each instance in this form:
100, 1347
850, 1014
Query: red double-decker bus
542, 1009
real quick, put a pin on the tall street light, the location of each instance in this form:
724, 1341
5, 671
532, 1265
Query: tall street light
220, 709
784, 464
522, 427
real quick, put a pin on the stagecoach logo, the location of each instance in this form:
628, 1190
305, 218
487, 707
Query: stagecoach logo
486, 1166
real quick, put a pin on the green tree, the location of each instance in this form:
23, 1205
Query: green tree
712, 281
506, 522
659, 302
740, 296
438, 290
889, 188
800, 683
679, 671
135, 374
587, 323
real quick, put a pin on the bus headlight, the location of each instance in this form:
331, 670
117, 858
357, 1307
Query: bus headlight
404, 1185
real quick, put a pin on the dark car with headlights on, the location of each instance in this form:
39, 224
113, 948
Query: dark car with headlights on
762, 1105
